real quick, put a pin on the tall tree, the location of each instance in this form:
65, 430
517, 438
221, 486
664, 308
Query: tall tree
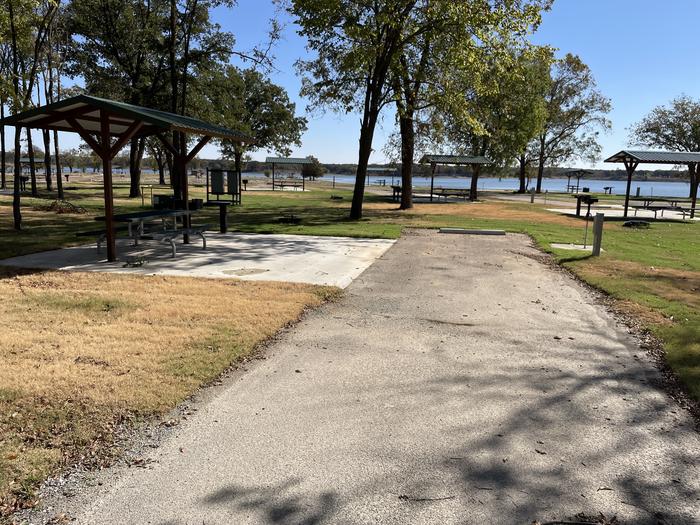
441, 38
27, 24
355, 43
576, 112
250, 103
673, 127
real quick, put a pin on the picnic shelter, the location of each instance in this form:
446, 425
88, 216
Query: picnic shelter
288, 161
451, 160
632, 158
107, 126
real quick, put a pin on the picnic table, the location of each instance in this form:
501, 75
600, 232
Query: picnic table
395, 193
584, 199
451, 192
608, 190
670, 201
136, 220
292, 183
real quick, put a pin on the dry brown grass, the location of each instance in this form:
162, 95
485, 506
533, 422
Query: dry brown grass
682, 286
484, 210
83, 351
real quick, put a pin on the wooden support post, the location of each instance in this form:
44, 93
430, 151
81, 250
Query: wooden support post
597, 233
630, 166
694, 199
105, 154
273, 176
432, 181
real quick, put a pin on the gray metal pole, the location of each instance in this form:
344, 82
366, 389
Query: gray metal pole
597, 233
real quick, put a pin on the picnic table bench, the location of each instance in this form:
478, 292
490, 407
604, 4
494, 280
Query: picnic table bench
662, 209
451, 192
395, 193
169, 236
292, 183
101, 235
607, 190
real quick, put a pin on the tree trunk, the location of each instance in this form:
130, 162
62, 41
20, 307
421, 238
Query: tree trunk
474, 187
3, 175
540, 168
32, 167
408, 145
47, 159
161, 169
59, 180
16, 194
369, 122
135, 156
169, 164
522, 188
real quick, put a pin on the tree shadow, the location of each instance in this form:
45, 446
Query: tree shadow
281, 503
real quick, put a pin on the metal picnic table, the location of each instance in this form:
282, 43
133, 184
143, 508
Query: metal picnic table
138, 219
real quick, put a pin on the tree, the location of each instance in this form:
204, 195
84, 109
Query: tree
503, 110
250, 103
673, 127
442, 38
356, 43
27, 24
313, 170
576, 111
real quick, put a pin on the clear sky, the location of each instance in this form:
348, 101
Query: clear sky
642, 52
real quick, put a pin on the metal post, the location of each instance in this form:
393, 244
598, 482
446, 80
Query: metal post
630, 166
597, 233
585, 234
273, 176
334, 181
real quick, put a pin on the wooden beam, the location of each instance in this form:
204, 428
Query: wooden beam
55, 116
168, 145
107, 181
85, 135
125, 137
192, 154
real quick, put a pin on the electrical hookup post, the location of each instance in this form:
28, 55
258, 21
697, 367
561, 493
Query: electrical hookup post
598, 221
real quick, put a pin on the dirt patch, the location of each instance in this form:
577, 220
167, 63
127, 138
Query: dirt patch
83, 353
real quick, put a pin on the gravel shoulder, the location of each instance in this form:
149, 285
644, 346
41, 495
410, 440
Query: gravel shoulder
460, 380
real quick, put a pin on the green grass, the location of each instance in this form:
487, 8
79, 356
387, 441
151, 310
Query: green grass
650, 268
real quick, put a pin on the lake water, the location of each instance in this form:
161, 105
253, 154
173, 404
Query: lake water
669, 189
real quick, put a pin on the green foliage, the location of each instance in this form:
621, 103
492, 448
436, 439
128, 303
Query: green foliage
576, 112
246, 101
313, 170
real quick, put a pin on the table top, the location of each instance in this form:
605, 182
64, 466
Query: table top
147, 214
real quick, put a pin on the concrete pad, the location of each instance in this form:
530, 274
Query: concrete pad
333, 261
466, 231
580, 247
619, 211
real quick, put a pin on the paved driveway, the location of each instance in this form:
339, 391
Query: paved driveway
458, 381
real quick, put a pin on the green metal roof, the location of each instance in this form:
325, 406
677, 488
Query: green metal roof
656, 157
288, 160
454, 159
85, 109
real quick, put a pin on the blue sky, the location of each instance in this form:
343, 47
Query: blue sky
642, 53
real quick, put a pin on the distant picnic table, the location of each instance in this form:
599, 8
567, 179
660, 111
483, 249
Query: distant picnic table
286, 183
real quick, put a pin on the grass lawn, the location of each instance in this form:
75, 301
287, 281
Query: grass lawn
72, 373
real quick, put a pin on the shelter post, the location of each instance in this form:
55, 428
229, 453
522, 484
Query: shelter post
630, 166
432, 180
694, 198
273, 176
106, 154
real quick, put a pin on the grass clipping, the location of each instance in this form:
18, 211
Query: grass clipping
83, 352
